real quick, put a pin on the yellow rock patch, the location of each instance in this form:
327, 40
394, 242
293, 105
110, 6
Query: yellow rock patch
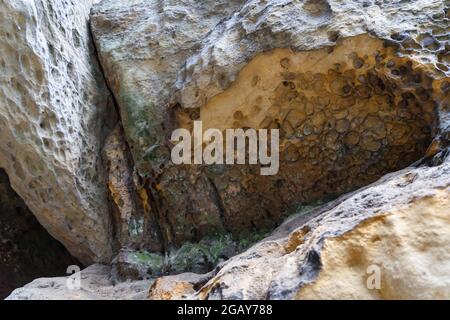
409, 245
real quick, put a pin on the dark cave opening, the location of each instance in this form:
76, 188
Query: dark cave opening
27, 250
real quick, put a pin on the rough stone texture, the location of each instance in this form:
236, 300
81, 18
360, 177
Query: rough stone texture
131, 206
401, 224
142, 46
200, 257
357, 89
346, 118
54, 108
409, 244
141, 78
95, 285
27, 251
176, 287
420, 25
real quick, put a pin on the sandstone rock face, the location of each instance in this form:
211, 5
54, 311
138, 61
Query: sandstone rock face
176, 287
141, 78
55, 112
417, 237
27, 251
131, 208
357, 89
398, 227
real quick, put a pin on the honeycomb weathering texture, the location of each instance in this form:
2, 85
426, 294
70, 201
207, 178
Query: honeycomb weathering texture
343, 126
347, 115
420, 26
54, 114
358, 89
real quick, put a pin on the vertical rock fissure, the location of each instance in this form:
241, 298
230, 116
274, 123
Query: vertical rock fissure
148, 185
114, 226
219, 202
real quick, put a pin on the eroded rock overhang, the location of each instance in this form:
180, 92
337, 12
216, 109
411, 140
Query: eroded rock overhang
347, 114
356, 93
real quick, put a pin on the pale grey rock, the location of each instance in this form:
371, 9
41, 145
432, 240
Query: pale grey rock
55, 111
162, 56
413, 257
261, 25
95, 284
142, 46
158, 54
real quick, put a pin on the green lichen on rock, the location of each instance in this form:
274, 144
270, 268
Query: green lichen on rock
252, 238
202, 256
136, 228
149, 259
137, 264
209, 252
142, 124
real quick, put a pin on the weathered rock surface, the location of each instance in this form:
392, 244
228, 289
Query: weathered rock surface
55, 112
177, 287
27, 251
358, 89
200, 257
95, 285
130, 202
400, 226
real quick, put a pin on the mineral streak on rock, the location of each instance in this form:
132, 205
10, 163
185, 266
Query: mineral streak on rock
96, 284
134, 221
142, 47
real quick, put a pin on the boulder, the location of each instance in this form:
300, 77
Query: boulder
356, 89
388, 240
176, 287
55, 112
359, 92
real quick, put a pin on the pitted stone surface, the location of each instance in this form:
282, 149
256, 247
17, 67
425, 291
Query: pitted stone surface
54, 115
357, 90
